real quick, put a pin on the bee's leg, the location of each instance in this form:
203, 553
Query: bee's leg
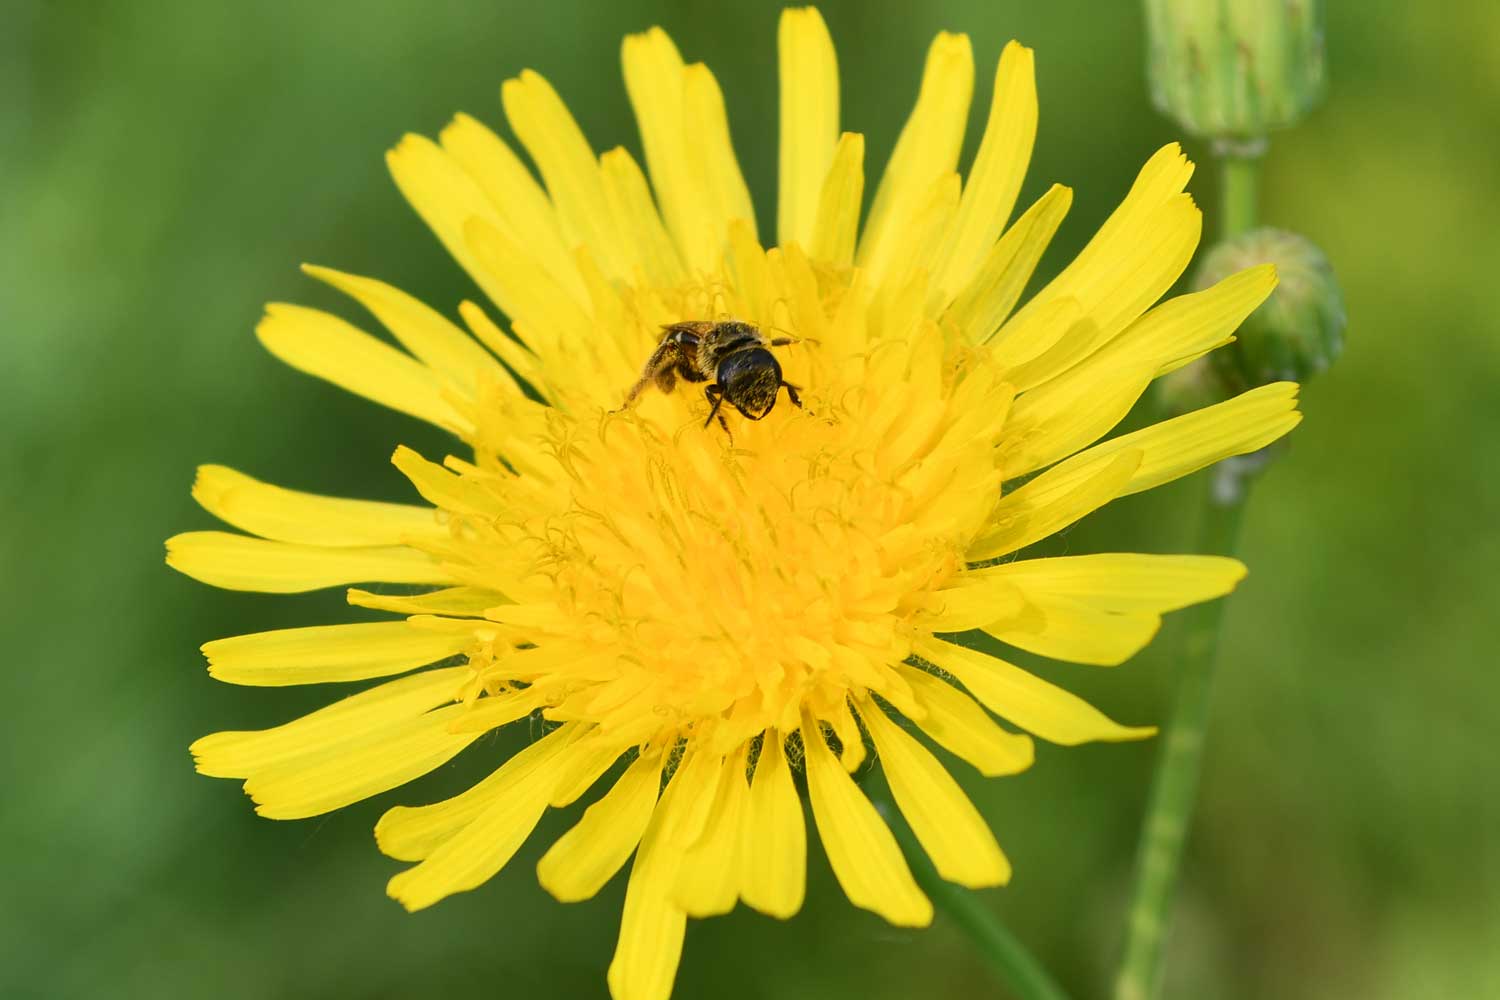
791, 393
660, 369
784, 341
716, 396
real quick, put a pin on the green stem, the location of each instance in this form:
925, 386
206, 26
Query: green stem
1179, 761
991, 938
1174, 788
1239, 190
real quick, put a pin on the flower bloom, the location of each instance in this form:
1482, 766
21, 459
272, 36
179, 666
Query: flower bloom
699, 614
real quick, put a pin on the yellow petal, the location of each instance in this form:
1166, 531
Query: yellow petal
960, 726
497, 710
637, 219
995, 288
516, 355
707, 882
652, 924
773, 837
291, 516
329, 348
1040, 708
705, 120
950, 829
1184, 328
1185, 444
515, 801
1054, 420
697, 783
1137, 255
446, 198
563, 157
587, 763
1124, 582
926, 150
586, 857
656, 81
325, 653
969, 603
444, 488
995, 179
1043, 506
861, 849
240, 754
465, 602
1075, 632
836, 224
334, 776
235, 562
521, 208
809, 125
411, 833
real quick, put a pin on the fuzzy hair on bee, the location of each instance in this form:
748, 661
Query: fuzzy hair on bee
733, 356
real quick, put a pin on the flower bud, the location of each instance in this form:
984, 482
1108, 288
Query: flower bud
1299, 330
1235, 69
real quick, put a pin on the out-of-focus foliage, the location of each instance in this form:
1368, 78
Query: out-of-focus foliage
164, 165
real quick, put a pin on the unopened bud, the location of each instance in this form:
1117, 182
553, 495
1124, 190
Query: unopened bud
1235, 69
1299, 330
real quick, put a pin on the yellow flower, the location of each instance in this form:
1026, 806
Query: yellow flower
699, 614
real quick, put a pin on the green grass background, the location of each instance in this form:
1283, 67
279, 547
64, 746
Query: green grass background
164, 166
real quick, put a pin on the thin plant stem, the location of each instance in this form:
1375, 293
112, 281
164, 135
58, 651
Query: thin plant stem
1179, 762
1174, 788
993, 941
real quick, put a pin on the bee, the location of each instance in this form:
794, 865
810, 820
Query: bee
732, 356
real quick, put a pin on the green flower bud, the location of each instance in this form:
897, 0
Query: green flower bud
1299, 330
1235, 69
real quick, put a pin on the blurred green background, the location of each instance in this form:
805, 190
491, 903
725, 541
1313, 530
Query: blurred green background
164, 166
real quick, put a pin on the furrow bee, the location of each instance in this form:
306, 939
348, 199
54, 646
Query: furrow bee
732, 356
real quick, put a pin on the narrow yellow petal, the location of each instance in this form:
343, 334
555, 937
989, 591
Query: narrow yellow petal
325, 653
464, 602
1186, 327
446, 197
963, 728
655, 79
926, 150
550, 321
969, 603
1055, 420
861, 849
995, 179
493, 711
236, 562
516, 355
332, 777
586, 857
514, 802
587, 763
697, 781
707, 882
240, 754
836, 223
773, 837
704, 119
1043, 506
290, 516
996, 286
809, 126
411, 833
1137, 255
325, 346
1076, 632
521, 207
568, 167
1040, 708
422, 330
1185, 444
652, 925
443, 488
1124, 582
950, 829
638, 220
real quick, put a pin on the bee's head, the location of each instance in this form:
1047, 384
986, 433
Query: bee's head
750, 380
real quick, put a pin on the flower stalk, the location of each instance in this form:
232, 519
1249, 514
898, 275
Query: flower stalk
1001, 950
